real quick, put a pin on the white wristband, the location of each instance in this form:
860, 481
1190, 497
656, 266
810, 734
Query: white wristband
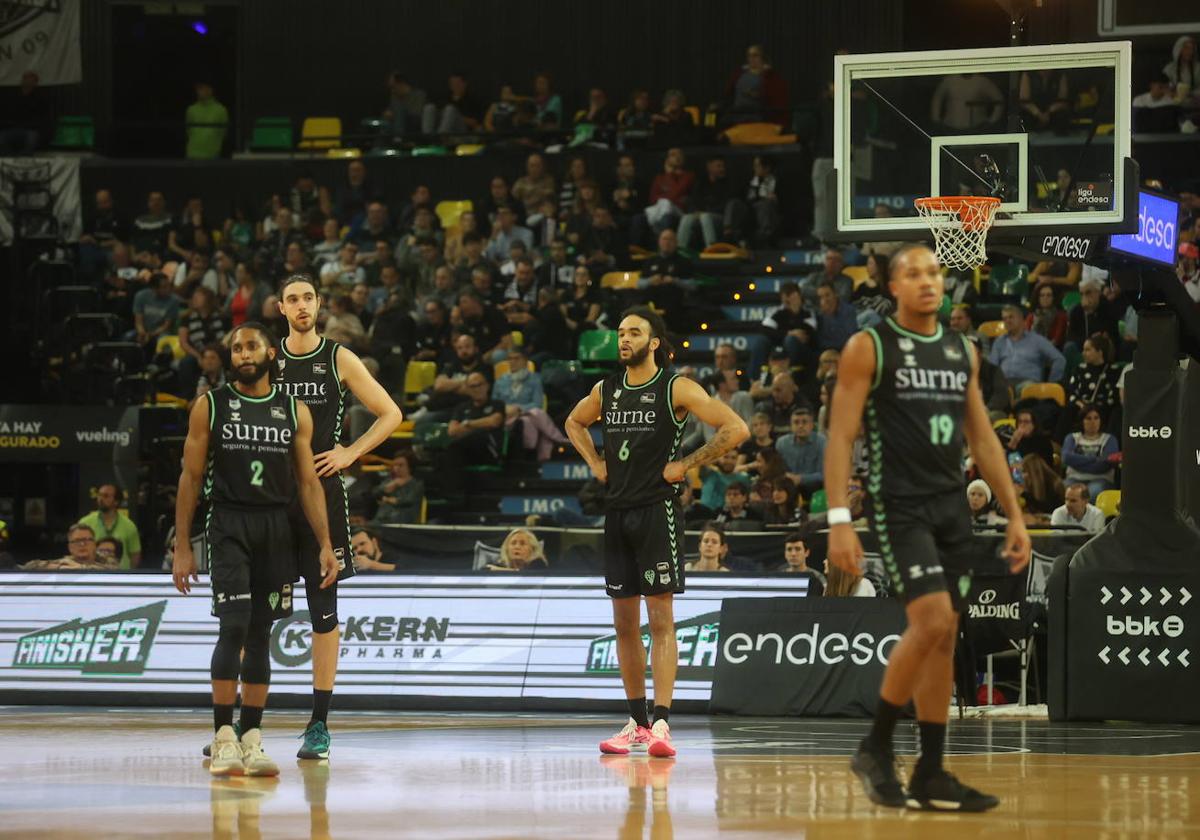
838, 516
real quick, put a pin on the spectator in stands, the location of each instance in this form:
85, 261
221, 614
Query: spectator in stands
419, 199
783, 401
450, 386
756, 92
1183, 70
777, 362
195, 273
499, 196
432, 340
870, 298
272, 318
997, 395
504, 233
580, 218
1027, 439
605, 246
836, 319
373, 227
422, 266
669, 193
343, 325
388, 284
107, 520
462, 111
27, 118
718, 477
1025, 356
761, 437
833, 271
521, 551
488, 286
352, 197
274, 247
672, 126
1044, 99
368, 553
374, 262
81, 553
453, 250
331, 242
523, 396
358, 304
725, 360
599, 114
1077, 511
404, 109
476, 430
557, 272
1093, 382
635, 120
444, 288
662, 273
713, 549
207, 122
1156, 110
979, 500
109, 551
401, 495
535, 186
1093, 314
844, 585
725, 385
483, 321
784, 507
151, 231
959, 287
500, 114
966, 101
181, 239
581, 308
212, 370
345, 272
795, 561
517, 251
548, 103
1054, 273
1090, 455
155, 311
761, 203
1047, 318
471, 258
520, 296
708, 206
201, 325
627, 192
963, 323
104, 227
792, 326
803, 450
737, 513
547, 332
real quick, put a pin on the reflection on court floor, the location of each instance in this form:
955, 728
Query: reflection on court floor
136, 773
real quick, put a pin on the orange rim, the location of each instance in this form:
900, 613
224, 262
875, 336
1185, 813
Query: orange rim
983, 205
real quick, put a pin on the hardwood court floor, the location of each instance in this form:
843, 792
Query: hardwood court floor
74, 773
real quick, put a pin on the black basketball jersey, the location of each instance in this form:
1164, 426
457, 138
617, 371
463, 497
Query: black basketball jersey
313, 379
915, 412
641, 435
250, 448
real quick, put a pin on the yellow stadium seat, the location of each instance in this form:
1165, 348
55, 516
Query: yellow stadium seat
991, 329
694, 110
344, 154
757, 134
448, 212
418, 376
321, 133
502, 367
467, 149
1045, 391
620, 280
171, 343
857, 273
724, 251
162, 398
637, 252
1109, 503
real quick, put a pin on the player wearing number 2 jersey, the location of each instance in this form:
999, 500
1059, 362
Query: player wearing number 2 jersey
642, 410
917, 388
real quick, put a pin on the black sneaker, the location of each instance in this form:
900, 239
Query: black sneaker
941, 791
237, 730
876, 769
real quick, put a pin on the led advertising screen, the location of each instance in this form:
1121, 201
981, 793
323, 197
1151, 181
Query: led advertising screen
1157, 239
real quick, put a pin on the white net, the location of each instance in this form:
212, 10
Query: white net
960, 227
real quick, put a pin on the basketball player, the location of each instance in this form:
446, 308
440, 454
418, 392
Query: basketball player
920, 390
257, 443
318, 372
643, 409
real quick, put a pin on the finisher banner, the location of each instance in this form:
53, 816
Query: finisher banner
493, 638
788, 656
48, 433
41, 36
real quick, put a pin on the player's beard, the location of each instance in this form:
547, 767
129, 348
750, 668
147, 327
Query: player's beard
246, 377
637, 356
297, 327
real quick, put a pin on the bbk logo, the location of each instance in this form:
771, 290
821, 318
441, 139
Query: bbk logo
1161, 432
1129, 625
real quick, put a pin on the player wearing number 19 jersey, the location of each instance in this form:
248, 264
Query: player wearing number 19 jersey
642, 410
917, 390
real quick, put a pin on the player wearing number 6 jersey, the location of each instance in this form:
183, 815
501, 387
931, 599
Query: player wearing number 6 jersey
917, 388
642, 410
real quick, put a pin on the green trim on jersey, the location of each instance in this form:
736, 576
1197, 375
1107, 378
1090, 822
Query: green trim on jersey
336, 374
212, 411
673, 536
671, 405
292, 403
878, 357
875, 489
283, 347
625, 381
928, 339
270, 396
969, 347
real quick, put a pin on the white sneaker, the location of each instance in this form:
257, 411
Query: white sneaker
256, 762
226, 754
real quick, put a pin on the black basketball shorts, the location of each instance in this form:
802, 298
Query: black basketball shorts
926, 544
643, 550
337, 509
252, 561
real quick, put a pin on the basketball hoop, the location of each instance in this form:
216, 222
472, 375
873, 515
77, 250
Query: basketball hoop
960, 225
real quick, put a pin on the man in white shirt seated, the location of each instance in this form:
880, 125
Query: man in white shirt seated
1078, 511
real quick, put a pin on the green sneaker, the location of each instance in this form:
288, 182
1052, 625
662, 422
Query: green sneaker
316, 742
237, 731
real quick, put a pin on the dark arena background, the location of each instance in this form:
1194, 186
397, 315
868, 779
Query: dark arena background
478, 191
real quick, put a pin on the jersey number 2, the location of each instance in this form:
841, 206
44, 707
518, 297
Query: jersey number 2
256, 471
941, 428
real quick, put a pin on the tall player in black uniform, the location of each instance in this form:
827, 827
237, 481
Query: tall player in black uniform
920, 390
318, 372
251, 443
643, 409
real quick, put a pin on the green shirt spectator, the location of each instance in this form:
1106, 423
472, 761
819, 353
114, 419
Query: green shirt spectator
207, 122
108, 521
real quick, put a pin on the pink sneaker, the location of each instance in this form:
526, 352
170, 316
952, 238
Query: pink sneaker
660, 740
632, 738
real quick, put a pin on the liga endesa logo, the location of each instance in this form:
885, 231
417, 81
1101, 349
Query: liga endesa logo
363, 637
810, 648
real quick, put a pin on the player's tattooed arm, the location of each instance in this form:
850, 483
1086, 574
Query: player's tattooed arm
731, 432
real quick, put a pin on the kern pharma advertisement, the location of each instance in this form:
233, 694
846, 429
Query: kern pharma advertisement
485, 637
